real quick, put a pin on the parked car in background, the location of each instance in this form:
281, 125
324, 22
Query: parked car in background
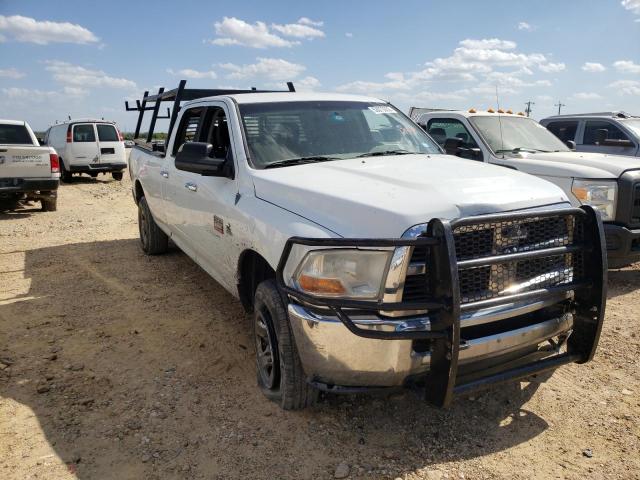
368, 258
88, 146
609, 183
606, 132
27, 170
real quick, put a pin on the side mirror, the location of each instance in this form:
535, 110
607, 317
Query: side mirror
157, 147
571, 144
195, 157
452, 146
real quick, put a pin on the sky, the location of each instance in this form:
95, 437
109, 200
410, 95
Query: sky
84, 58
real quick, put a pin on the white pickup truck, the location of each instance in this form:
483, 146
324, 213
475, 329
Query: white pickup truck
27, 170
610, 183
368, 258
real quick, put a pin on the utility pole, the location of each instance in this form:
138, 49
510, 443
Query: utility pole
528, 109
559, 105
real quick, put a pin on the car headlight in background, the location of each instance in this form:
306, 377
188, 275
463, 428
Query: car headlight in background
344, 273
600, 194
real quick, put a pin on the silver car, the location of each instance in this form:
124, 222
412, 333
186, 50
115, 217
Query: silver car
605, 132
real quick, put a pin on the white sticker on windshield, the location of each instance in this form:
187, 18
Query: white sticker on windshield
378, 109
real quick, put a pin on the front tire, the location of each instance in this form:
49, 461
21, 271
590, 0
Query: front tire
116, 175
153, 240
279, 370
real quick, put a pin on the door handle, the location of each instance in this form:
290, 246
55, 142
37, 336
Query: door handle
164, 173
191, 186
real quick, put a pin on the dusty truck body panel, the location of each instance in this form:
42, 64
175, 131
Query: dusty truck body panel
461, 280
580, 174
27, 170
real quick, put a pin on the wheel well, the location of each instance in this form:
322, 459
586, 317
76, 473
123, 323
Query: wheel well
139, 192
253, 269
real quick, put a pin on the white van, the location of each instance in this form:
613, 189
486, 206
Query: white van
88, 146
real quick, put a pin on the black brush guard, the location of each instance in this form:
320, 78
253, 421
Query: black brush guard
588, 303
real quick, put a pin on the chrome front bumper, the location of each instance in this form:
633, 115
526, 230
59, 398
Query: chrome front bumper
331, 354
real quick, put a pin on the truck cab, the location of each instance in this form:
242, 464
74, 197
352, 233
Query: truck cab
366, 257
609, 183
616, 133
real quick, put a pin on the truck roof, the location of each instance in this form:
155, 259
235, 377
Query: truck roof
13, 122
618, 114
472, 113
292, 97
84, 120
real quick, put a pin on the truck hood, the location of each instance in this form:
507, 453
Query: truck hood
384, 196
573, 164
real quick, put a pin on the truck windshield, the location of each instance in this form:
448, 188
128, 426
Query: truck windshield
518, 134
14, 135
289, 133
633, 125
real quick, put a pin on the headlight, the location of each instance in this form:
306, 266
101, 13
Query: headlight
600, 194
344, 273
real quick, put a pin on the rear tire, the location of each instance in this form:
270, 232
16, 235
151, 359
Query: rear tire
65, 175
49, 204
153, 240
116, 175
279, 370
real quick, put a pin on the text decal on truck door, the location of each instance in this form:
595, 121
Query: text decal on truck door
218, 224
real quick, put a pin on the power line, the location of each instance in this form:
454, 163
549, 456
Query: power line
559, 105
528, 109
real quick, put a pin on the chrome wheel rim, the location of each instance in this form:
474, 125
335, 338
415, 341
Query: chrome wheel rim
266, 350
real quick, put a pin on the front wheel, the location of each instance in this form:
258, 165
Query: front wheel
280, 374
154, 241
116, 175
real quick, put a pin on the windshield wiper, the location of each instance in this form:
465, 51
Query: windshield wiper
386, 152
521, 149
301, 161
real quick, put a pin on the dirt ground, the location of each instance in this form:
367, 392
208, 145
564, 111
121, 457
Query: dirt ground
114, 365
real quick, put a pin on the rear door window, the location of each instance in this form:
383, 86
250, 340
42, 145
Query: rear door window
84, 133
565, 131
107, 133
14, 135
189, 127
591, 132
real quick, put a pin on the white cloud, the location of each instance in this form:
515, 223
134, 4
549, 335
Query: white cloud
233, 31
586, 96
75, 75
481, 64
593, 67
26, 29
633, 6
488, 43
11, 73
552, 67
525, 26
191, 73
271, 68
626, 66
307, 84
348, 35
304, 28
627, 87
308, 21
544, 98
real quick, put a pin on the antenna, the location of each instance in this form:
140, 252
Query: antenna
500, 122
559, 105
528, 109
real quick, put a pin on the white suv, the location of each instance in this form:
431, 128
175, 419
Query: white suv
88, 146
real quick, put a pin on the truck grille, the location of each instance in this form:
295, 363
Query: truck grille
635, 210
484, 240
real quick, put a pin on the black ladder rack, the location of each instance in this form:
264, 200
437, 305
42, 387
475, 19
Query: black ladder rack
178, 95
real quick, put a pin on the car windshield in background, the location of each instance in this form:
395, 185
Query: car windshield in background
633, 125
518, 134
107, 133
289, 133
14, 135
